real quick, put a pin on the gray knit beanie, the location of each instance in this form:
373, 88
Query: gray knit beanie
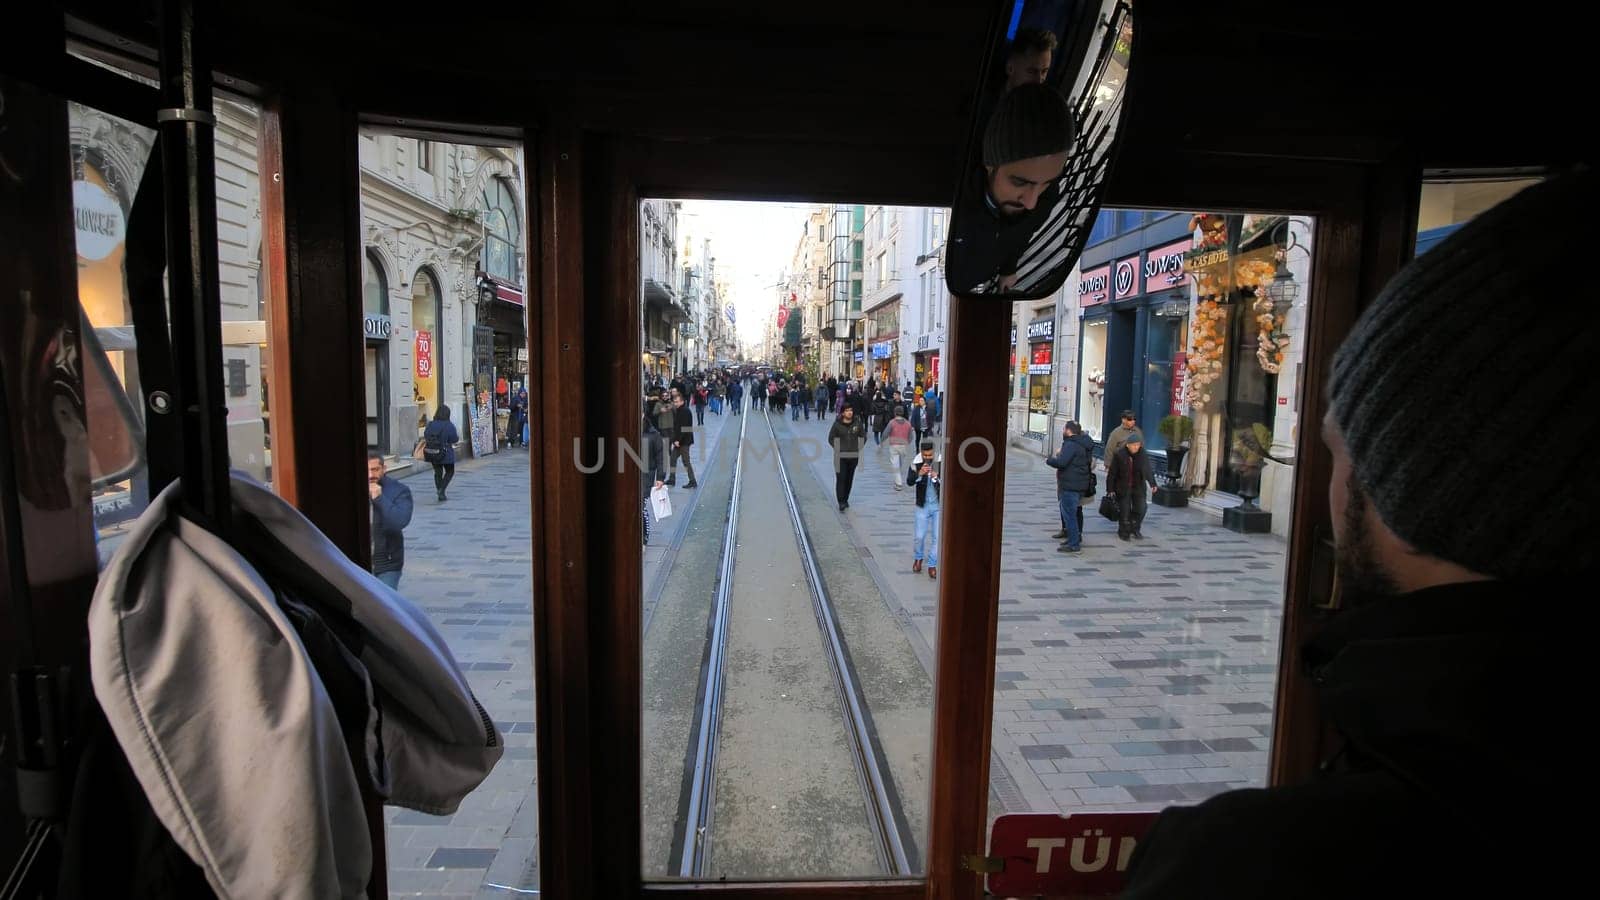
1450, 384
1030, 120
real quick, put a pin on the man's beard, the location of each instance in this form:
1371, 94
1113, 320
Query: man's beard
1361, 574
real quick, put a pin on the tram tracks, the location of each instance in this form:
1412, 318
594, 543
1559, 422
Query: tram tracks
884, 820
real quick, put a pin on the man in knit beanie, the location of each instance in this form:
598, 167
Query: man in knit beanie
1025, 149
1465, 558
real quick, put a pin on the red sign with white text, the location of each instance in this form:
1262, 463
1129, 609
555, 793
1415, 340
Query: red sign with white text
1180, 367
1081, 855
424, 354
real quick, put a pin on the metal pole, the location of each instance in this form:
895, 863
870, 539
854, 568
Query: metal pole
187, 127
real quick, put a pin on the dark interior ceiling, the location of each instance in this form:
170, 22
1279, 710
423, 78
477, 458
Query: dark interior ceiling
875, 97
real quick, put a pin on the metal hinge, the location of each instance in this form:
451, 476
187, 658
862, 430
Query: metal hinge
977, 862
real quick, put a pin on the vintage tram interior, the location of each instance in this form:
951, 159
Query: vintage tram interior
295, 230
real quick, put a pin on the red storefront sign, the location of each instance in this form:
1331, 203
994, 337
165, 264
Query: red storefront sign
508, 293
1127, 280
1180, 367
1039, 364
424, 354
1081, 855
934, 365
1095, 286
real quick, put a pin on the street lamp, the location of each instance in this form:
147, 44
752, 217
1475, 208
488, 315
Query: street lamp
1284, 291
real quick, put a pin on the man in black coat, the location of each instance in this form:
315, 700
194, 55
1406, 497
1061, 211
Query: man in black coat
681, 438
1461, 636
1129, 468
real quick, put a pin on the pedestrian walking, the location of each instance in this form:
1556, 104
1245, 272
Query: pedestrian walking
847, 436
1074, 465
899, 434
923, 475
391, 512
439, 449
1129, 468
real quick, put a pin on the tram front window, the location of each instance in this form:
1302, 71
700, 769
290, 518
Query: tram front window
788, 672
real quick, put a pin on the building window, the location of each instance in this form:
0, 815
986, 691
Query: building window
1103, 223
502, 232
1128, 220
374, 288
425, 155
882, 265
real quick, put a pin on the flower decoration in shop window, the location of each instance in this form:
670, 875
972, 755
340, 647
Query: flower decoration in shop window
1208, 330
1097, 381
1272, 340
1213, 230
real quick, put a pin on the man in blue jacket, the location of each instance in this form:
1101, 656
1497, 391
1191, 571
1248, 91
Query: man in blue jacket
1074, 465
391, 513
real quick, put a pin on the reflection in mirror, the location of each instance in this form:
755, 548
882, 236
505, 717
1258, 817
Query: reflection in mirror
1023, 216
1028, 60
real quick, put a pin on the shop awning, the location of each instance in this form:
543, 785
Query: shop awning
504, 318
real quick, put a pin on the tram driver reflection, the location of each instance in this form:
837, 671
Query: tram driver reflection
1031, 54
1025, 149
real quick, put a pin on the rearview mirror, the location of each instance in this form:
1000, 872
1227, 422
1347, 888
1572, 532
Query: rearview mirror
1037, 171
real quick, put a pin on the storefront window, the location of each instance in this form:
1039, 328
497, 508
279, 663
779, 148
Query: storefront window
426, 346
1091, 409
1163, 370
1039, 379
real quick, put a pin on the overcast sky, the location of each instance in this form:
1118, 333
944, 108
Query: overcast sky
752, 244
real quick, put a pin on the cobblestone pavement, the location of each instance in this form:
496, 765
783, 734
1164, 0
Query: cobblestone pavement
1130, 676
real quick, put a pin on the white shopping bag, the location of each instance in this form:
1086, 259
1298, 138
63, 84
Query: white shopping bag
660, 503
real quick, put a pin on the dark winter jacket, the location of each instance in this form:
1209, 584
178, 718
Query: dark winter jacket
682, 426
1074, 464
1127, 469
985, 245
391, 513
847, 439
1431, 697
443, 431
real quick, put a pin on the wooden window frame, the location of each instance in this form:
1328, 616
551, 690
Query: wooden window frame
587, 637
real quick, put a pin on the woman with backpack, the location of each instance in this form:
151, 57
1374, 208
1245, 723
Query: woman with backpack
439, 449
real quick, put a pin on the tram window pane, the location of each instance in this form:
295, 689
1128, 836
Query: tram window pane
109, 156
434, 346
1448, 202
763, 781
1140, 673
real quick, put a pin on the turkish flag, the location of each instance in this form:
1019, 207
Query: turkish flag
783, 315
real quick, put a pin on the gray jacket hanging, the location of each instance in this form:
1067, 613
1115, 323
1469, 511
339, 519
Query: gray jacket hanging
216, 699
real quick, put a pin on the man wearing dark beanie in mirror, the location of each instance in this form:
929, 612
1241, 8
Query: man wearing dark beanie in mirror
1450, 677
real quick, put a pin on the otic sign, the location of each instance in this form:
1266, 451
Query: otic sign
1082, 855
